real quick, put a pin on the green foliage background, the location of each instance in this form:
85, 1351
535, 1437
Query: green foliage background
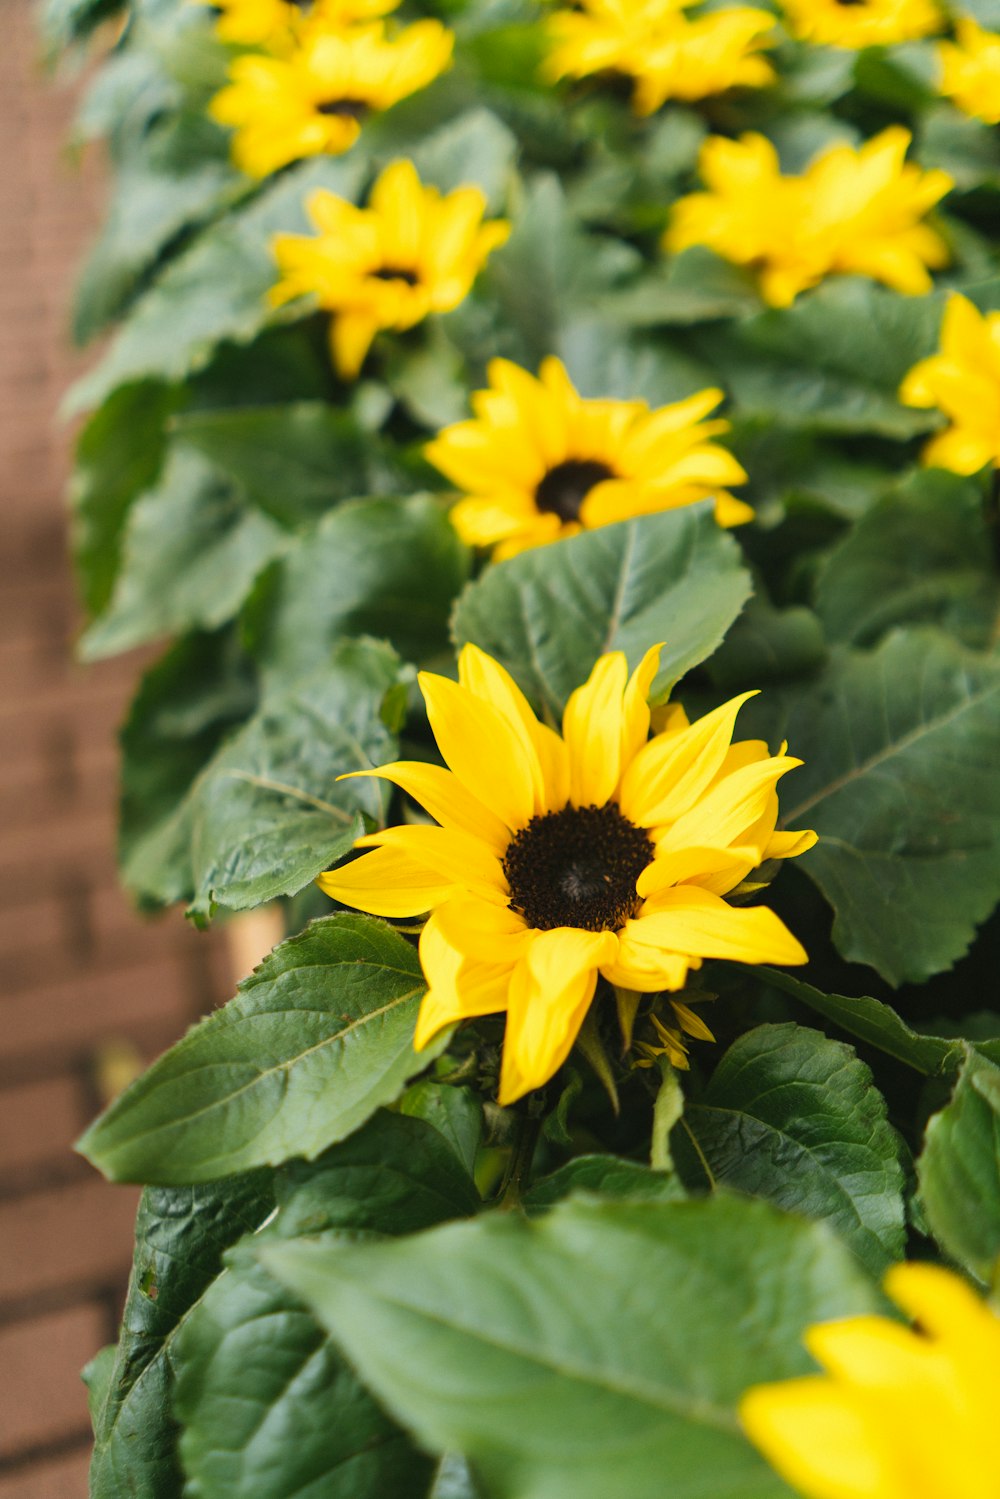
324, 1302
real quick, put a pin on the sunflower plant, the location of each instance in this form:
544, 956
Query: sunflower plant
554, 449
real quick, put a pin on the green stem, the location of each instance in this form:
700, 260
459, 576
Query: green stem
518, 1173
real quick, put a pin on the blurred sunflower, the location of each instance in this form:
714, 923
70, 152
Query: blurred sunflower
853, 210
411, 252
538, 461
861, 23
254, 23
970, 70
314, 100
963, 381
559, 858
900, 1413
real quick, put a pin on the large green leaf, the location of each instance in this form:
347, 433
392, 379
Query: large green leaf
794, 1117
549, 613
384, 567
269, 1408
268, 813
180, 1235
608, 1175
191, 551
316, 1039
293, 461
597, 1349
921, 555
218, 288
118, 455
899, 781
959, 1170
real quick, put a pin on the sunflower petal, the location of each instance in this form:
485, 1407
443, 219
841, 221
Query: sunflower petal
593, 728
673, 770
492, 759
442, 794
697, 923
481, 675
457, 858
387, 882
820, 1439
550, 992
458, 988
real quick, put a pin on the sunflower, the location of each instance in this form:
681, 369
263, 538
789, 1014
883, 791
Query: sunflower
411, 252
855, 24
538, 461
963, 381
559, 858
855, 211
970, 70
901, 1413
254, 23
314, 99
666, 54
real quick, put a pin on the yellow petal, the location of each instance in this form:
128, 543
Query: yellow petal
442, 794
455, 857
635, 714
593, 728
734, 804
480, 674
673, 770
483, 930
550, 993
388, 882
695, 922
351, 335
820, 1440
491, 758
458, 989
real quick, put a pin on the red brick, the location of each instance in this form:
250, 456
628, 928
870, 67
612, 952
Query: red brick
42, 1398
76, 1236
61, 1478
38, 1124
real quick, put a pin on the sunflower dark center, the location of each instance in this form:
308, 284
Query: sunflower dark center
565, 487
350, 109
577, 867
396, 273
304, 5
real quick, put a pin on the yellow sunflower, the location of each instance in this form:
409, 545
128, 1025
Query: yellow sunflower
901, 1413
861, 23
538, 461
313, 100
558, 858
253, 23
963, 381
852, 211
970, 70
653, 42
411, 252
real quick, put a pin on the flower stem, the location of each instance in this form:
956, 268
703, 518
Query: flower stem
518, 1173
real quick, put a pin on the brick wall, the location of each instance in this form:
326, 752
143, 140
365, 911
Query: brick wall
82, 980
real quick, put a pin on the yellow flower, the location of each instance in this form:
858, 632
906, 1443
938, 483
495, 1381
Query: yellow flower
901, 1413
313, 100
409, 253
852, 210
970, 70
861, 23
538, 461
561, 857
668, 55
963, 381
252, 23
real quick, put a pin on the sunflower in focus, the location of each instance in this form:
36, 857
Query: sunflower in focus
667, 54
538, 461
854, 210
900, 1413
963, 381
267, 23
970, 70
557, 858
314, 99
855, 24
411, 252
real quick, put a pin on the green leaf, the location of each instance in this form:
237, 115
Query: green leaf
97, 1374
899, 750
316, 1039
456, 1113
791, 1116
270, 1410
191, 551
295, 462
180, 1237
186, 703
476, 148
767, 643
922, 555
831, 363
959, 1170
383, 567
590, 1350
696, 286
549, 613
118, 455
875, 1023
268, 813
217, 289
607, 1175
